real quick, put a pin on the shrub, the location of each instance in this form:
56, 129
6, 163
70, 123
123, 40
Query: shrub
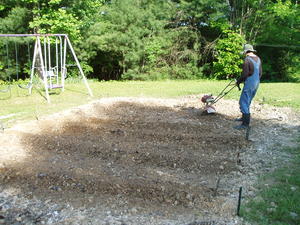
228, 59
188, 72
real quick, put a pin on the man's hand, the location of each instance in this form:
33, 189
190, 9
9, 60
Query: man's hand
238, 85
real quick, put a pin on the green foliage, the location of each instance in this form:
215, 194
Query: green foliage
274, 28
58, 16
133, 31
175, 72
43, 16
199, 13
279, 35
293, 70
58, 21
283, 20
153, 49
140, 39
188, 71
16, 21
228, 59
151, 75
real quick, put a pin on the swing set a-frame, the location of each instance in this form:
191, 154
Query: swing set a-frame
53, 74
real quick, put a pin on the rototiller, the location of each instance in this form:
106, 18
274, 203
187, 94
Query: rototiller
209, 100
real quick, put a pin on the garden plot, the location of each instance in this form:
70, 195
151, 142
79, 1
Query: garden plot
140, 159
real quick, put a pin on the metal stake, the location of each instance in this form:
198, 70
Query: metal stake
239, 202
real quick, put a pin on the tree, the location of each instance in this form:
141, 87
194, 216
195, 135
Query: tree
278, 39
63, 16
228, 60
153, 39
273, 26
128, 36
71, 17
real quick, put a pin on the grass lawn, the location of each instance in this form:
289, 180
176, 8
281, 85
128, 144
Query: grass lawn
20, 105
278, 201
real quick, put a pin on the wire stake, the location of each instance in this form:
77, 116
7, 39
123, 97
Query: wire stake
239, 202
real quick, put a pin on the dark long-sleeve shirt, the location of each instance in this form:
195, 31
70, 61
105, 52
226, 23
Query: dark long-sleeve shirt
248, 69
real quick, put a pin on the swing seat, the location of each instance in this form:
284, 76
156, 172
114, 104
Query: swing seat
55, 86
52, 77
6, 89
52, 72
29, 85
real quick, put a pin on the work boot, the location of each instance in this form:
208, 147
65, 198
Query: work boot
240, 119
245, 122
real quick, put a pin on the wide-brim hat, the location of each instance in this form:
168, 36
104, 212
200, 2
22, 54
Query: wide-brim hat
248, 48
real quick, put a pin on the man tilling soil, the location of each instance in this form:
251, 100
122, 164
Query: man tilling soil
251, 74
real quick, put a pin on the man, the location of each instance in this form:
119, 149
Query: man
251, 75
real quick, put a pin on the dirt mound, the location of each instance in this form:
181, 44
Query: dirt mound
139, 151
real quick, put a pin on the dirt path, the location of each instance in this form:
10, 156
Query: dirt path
137, 161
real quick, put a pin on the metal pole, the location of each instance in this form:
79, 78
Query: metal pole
43, 69
49, 53
56, 51
32, 35
61, 64
56, 55
45, 54
239, 202
33, 66
64, 63
17, 64
79, 67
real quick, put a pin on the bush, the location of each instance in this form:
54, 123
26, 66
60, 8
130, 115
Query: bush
168, 72
294, 69
228, 59
187, 72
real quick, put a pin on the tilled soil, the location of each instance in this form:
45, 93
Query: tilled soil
137, 161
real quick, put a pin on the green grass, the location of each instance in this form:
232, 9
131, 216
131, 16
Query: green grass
278, 201
280, 94
29, 107
277, 94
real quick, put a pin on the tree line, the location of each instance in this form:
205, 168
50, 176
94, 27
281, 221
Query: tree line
161, 39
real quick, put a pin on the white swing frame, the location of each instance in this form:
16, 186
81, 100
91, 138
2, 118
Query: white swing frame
49, 72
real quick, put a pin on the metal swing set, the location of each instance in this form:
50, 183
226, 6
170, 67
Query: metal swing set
52, 74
